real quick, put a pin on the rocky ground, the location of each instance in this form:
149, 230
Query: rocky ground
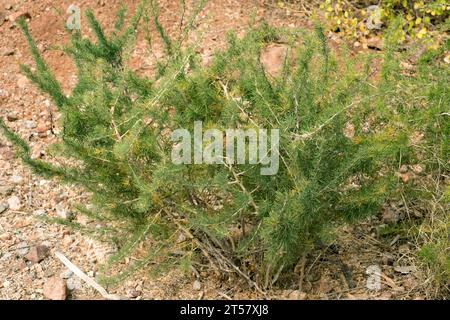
29, 268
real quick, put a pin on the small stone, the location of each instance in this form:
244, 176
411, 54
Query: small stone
297, 295
5, 237
37, 253
375, 43
181, 237
417, 168
8, 6
6, 154
73, 284
22, 248
67, 240
22, 81
55, 289
3, 207
66, 274
64, 213
349, 130
48, 273
8, 52
29, 124
12, 117
404, 176
42, 128
39, 212
197, 285
14, 203
62, 196
135, 293
6, 190
390, 215
36, 153
42, 134
387, 258
16, 179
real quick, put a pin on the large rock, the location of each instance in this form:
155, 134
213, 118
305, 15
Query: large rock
55, 289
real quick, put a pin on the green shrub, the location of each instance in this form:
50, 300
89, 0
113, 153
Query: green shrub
340, 145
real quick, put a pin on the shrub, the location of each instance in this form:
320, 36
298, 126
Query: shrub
340, 145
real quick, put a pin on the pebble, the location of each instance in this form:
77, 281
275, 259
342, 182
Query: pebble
42, 128
197, 285
12, 117
63, 212
22, 248
29, 124
22, 82
6, 190
73, 283
14, 203
39, 212
13, 17
135, 293
55, 289
390, 215
37, 253
297, 295
16, 179
5, 237
8, 52
3, 207
66, 274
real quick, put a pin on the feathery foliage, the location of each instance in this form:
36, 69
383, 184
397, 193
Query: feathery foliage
340, 145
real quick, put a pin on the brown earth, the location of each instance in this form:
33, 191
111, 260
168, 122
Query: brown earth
337, 271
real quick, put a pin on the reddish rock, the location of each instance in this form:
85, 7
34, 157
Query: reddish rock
5, 237
42, 128
8, 52
55, 289
37, 253
12, 117
273, 57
